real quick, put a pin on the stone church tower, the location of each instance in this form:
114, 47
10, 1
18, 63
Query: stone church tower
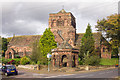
63, 26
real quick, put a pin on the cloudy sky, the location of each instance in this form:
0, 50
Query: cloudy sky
31, 18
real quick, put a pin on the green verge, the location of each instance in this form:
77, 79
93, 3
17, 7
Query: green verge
111, 61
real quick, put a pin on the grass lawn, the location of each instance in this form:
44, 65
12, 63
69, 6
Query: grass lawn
111, 61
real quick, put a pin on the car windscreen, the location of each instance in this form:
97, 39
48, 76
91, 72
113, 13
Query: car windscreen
10, 67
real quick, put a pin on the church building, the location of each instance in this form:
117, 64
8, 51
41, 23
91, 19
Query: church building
63, 26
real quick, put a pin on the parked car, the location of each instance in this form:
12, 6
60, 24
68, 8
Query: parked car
8, 70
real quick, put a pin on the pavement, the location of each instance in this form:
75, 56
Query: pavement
105, 73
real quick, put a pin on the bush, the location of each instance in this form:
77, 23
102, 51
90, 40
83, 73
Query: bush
94, 60
15, 61
32, 62
24, 60
80, 61
4, 61
91, 60
86, 58
38, 62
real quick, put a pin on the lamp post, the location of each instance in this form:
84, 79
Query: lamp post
49, 56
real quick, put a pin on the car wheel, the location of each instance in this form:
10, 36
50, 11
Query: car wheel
6, 74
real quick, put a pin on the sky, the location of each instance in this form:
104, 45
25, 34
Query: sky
31, 17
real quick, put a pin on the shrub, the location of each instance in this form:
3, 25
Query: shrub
91, 60
86, 59
24, 60
17, 63
80, 61
4, 61
32, 62
38, 62
94, 60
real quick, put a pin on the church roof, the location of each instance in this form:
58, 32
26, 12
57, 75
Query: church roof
25, 40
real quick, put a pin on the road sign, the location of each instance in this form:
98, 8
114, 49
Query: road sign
49, 55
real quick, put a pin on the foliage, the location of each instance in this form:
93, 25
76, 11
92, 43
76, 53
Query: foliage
4, 61
94, 60
111, 27
4, 45
80, 61
35, 52
115, 51
87, 43
46, 43
16, 61
24, 60
91, 60
32, 62
43, 47
86, 59
38, 62
9, 39
111, 61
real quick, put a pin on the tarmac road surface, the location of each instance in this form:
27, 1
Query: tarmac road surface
110, 73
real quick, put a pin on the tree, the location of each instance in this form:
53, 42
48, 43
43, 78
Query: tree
43, 47
91, 60
87, 43
4, 45
35, 52
46, 43
111, 28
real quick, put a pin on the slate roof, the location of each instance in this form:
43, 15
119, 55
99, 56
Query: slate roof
25, 40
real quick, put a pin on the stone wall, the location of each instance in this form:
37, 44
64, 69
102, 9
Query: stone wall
63, 26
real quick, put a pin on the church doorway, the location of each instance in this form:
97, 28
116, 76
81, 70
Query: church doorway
64, 61
10, 55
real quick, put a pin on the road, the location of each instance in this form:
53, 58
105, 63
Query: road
111, 73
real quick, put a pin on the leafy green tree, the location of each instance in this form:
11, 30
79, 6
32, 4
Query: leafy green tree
4, 45
111, 28
46, 43
87, 43
35, 52
43, 47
